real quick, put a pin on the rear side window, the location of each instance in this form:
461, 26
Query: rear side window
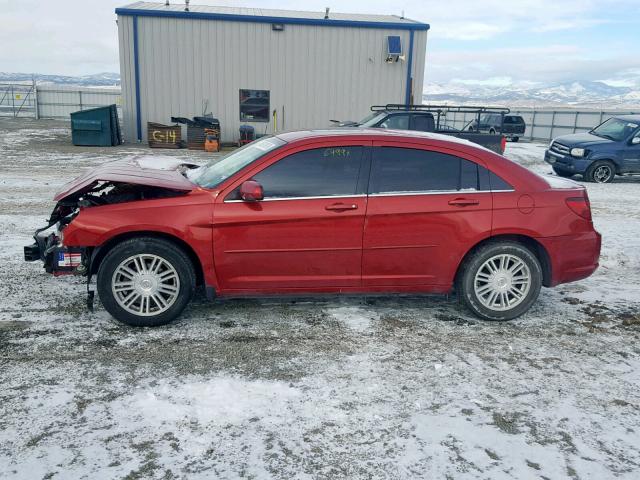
406, 170
513, 119
319, 172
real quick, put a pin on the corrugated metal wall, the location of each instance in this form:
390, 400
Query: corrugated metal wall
316, 73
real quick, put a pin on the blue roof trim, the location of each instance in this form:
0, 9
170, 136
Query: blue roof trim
262, 19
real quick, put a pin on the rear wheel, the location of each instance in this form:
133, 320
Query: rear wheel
515, 139
601, 171
492, 131
145, 282
500, 281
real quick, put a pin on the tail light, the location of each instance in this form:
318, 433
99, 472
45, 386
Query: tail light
580, 206
503, 143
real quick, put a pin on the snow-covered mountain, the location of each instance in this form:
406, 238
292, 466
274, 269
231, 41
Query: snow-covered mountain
579, 93
105, 79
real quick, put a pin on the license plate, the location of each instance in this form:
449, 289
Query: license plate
66, 259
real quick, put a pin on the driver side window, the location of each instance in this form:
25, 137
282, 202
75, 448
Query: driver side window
320, 172
398, 122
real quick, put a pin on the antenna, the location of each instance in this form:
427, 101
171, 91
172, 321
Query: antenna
186, 5
326, 13
401, 16
166, 4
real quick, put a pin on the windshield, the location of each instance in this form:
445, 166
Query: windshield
371, 119
615, 129
217, 171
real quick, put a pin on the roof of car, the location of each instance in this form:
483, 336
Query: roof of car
381, 133
633, 117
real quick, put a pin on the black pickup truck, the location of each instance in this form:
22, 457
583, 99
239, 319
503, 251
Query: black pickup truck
431, 118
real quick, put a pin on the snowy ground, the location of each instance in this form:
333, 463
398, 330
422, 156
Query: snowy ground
350, 388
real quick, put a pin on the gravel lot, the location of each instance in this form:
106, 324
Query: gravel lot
338, 388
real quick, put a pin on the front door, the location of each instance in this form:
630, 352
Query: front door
307, 232
425, 211
630, 155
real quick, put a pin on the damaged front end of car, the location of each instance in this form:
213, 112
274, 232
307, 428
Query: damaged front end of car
129, 180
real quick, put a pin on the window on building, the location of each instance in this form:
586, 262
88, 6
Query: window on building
254, 105
331, 171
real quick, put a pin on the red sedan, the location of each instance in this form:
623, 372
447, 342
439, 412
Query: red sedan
350, 211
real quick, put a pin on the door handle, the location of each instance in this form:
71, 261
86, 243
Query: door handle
463, 202
340, 207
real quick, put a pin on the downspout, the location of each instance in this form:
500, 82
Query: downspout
136, 70
407, 98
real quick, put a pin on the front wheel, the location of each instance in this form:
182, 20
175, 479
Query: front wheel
145, 282
600, 172
500, 281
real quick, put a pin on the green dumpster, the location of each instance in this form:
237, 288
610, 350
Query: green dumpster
96, 127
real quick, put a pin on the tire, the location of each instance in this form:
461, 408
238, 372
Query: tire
515, 139
562, 173
476, 287
492, 131
154, 298
601, 171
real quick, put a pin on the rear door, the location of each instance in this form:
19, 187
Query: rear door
425, 210
307, 232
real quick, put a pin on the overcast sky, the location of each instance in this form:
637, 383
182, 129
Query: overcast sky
490, 41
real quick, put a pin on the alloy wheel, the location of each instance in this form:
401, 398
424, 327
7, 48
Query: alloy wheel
602, 174
502, 282
145, 285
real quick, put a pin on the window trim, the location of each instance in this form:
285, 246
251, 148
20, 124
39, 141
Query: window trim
240, 105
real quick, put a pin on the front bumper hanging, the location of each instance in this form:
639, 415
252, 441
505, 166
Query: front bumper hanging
57, 259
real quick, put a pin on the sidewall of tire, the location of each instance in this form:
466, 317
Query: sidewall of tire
592, 168
165, 249
466, 281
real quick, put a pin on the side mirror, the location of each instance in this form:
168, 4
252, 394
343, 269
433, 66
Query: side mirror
635, 140
251, 191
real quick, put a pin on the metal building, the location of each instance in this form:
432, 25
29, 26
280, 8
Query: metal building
272, 69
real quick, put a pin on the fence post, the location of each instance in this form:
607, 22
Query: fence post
533, 124
36, 106
575, 122
80, 95
553, 122
13, 102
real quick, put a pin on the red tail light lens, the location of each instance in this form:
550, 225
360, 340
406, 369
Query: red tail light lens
503, 143
580, 206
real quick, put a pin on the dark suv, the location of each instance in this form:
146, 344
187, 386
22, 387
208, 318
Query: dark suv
513, 126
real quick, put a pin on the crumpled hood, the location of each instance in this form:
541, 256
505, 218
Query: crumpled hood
581, 140
149, 170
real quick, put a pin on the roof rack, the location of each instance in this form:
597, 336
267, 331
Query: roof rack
441, 108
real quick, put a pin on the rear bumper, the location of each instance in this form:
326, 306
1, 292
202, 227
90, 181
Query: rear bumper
573, 257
